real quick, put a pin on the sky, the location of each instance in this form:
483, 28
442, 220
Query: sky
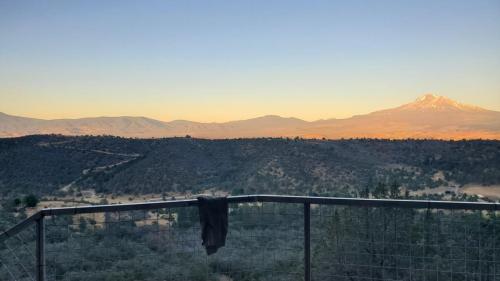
214, 61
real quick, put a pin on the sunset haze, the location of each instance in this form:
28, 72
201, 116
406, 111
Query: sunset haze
220, 61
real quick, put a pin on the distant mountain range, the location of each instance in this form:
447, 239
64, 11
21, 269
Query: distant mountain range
429, 116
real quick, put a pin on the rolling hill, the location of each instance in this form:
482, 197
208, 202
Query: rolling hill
48, 164
429, 116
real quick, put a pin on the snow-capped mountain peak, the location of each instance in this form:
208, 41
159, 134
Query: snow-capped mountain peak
438, 103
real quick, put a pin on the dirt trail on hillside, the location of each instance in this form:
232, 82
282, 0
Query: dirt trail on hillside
85, 172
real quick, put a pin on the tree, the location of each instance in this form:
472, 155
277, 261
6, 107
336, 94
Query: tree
407, 193
365, 193
394, 191
83, 224
380, 190
31, 200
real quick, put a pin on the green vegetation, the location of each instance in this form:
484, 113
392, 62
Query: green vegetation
42, 165
17, 202
265, 241
30, 201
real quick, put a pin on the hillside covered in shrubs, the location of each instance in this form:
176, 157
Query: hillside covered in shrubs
46, 164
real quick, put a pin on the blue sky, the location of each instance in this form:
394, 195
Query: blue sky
226, 60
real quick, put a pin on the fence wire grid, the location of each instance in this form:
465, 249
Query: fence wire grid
265, 242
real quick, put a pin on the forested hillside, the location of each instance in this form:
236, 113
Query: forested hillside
46, 164
164, 244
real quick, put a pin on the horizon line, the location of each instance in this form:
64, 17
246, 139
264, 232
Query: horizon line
236, 120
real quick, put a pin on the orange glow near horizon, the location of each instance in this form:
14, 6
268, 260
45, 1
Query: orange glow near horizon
234, 60
203, 111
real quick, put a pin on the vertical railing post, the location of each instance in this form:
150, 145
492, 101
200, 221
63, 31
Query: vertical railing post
307, 241
40, 249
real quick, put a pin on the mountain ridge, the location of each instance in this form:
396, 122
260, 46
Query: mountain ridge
429, 116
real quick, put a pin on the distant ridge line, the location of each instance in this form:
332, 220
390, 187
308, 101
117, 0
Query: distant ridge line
429, 116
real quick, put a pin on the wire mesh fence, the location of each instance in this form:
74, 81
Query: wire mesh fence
351, 243
265, 242
17, 256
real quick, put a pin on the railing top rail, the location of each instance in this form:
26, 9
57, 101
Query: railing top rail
390, 203
20, 226
360, 202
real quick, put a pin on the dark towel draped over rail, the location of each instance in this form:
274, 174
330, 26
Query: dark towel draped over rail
214, 222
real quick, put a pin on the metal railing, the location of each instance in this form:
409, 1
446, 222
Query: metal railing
351, 239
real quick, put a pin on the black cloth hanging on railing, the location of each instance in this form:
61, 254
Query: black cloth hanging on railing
213, 221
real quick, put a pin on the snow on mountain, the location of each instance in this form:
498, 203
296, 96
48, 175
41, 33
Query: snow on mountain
429, 116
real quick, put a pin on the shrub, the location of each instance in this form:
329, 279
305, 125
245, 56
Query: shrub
31, 200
